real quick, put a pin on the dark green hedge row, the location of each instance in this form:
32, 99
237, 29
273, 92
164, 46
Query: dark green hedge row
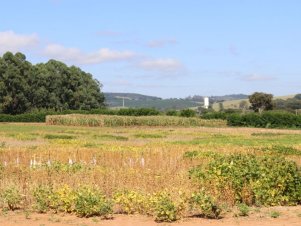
268, 119
215, 115
30, 117
265, 120
41, 116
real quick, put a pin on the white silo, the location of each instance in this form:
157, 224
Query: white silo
206, 102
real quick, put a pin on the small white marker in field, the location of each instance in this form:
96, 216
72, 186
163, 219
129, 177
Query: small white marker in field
142, 161
94, 161
131, 162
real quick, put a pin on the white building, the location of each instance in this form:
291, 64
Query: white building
206, 102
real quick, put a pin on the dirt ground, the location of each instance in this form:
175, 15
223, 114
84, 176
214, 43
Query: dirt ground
289, 216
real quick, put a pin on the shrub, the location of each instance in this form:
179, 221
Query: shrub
165, 210
62, 199
130, 202
243, 209
274, 214
172, 113
187, 113
215, 115
270, 119
267, 180
12, 197
204, 204
42, 198
28, 117
137, 111
91, 202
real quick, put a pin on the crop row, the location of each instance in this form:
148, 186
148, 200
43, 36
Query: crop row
112, 121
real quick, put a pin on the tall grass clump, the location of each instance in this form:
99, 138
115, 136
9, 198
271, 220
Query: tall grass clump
114, 121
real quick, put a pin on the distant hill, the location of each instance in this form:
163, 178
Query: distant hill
218, 98
134, 100
234, 103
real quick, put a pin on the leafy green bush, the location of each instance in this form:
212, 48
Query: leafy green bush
267, 180
172, 113
62, 199
130, 202
275, 214
165, 209
187, 113
91, 202
215, 115
12, 197
204, 204
42, 195
137, 111
28, 117
243, 209
269, 119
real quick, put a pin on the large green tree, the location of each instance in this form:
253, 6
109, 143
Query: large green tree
261, 101
53, 85
14, 73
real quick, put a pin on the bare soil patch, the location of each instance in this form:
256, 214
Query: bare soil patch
289, 216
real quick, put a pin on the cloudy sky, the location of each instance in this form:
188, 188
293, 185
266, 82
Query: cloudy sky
166, 48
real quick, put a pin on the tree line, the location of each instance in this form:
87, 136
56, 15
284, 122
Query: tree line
25, 87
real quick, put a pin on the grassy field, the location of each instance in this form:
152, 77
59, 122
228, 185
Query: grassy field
142, 160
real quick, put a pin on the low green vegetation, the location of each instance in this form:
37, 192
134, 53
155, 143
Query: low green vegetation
205, 205
149, 135
243, 210
58, 136
11, 198
250, 179
275, 214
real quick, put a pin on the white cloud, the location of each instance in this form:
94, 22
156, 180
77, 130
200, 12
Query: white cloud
163, 65
75, 55
161, 43
257, 77
10, 41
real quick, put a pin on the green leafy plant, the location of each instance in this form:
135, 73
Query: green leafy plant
204, 204
165, 209
130, 202
12, 197
91, 202
275, 214
42, 198
265, 180
62, 199
243, 209
187, 113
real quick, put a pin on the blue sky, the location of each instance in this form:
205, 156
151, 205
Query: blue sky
166, 48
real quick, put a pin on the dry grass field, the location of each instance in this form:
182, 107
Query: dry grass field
146, 160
